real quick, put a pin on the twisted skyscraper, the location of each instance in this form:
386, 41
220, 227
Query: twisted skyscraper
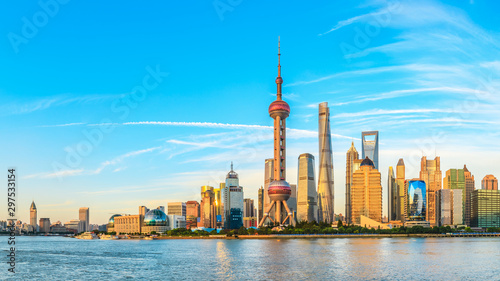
325, 180
279, 190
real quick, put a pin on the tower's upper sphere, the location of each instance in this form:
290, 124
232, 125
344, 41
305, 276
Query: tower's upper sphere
279, 107
279, 190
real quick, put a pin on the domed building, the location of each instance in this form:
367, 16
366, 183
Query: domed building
366, 192
111, 223
155, 220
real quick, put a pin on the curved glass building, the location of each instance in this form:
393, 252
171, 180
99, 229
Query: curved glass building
416, 200
111, 222
155, 217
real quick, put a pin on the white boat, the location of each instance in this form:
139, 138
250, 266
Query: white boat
87, 236
109, 237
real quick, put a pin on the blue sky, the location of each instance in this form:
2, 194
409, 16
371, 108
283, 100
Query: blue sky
186, 86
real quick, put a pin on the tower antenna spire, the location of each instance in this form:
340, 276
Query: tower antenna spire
279, 80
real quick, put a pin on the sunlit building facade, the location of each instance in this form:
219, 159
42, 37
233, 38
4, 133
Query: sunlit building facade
489, 182
366, 193
44, 225
325, 178
485, 210
192, 214
208, 217
430, 173
177, 208
307, 206
402, 191
352, 157
33, 215
128, 224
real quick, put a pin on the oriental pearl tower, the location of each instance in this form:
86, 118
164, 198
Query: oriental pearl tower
279, 190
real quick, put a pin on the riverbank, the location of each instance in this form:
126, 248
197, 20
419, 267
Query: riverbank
313, 236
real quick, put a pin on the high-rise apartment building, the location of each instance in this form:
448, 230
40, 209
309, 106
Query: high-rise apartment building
470, 185
449, 207
325, 179
393, 196
352, 156
307, 206
143, 210
485, 209
260, 203
248, 208
84, 216
207, 207
366, 192
455, 179
268, 178
176, 208
489, 182
233, 201
430, 173
402, 191
369, 146
33, 214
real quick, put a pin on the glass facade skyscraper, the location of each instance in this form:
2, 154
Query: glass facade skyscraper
416, 200
307, 206
325, 179
485, 211
430, 173
369, 146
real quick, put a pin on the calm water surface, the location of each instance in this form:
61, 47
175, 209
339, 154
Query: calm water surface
58, 258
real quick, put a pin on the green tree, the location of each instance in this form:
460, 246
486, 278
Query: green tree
339, 223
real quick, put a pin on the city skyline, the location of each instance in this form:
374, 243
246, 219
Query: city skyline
183, 135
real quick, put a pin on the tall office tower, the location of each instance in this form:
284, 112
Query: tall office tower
393, 196
351, 156
402, 191
279, 190
176, 208
260, 203
292, 201
233, 201
268, 178
143, 210
44, 225
369, 146
33, 213
192, 214
470, 185
489, 182
416, 200
219, 204
455, 179
485, 208
248, 208
84, 216
207, 207
430, 173
325, 179
307, 206
366, 192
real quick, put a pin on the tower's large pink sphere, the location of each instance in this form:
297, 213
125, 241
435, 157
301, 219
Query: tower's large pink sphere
279, 190
279, 107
